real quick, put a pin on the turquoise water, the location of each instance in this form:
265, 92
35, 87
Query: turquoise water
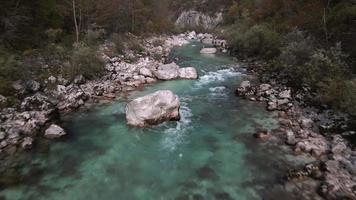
206, 155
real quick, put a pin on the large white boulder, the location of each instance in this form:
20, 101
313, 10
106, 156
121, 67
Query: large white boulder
146, 72
208, 51
188, 73
54, 131
167, 72
153, 109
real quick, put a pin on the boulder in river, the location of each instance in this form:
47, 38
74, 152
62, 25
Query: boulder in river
188, 73
54, 131
208, 51
153, 109
167, 72
244, 87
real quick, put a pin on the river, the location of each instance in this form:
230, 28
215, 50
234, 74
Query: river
209, 154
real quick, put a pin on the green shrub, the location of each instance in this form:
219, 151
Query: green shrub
324, 70
258, 40
94, 36
339, 93
84, 61
9, 72
124, 43
325, 64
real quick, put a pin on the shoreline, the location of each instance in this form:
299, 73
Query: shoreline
306, 130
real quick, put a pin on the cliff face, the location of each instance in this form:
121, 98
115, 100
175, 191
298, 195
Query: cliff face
195, 19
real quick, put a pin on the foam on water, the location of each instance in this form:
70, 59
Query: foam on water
175, 135
216, 77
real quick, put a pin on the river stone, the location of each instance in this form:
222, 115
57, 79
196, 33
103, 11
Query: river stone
33, 86
146, 72
208, 51
27, 143
188, 73
286, 94
153, 109
54, 131
79, 80
167, 72
208, 40
243, 88
264, 87
306, 123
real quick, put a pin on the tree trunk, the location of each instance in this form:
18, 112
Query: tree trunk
325, 23
75, 22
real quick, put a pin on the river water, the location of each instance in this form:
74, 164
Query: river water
209, 154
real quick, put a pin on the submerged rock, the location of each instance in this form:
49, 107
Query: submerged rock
153, 109
208, 51
54, 131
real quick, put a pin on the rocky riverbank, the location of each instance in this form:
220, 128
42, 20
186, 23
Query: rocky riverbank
41, 108
312, 131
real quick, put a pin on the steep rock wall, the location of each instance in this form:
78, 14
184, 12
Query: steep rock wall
196, 19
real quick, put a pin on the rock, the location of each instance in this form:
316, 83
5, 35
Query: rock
207, 40
2, 135
285, 122
264, 87
54, 131
317, 146
52, 79
192, 35
98, 90
283, 104
271, 106
167, 72
286, 94
194, 19
338, 145
150, 80
146, 72
263, 135
33, 86
290, 138
244, 87
61, 89
188, 73
306, 123
79, 80
37, 102
27, 143
62, 81
153, 109
208, 51
338, 183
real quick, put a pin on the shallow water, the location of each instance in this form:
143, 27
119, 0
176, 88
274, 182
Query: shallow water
206, 155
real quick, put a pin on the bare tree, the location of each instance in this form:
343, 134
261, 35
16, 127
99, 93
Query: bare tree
75, 20
325, 23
